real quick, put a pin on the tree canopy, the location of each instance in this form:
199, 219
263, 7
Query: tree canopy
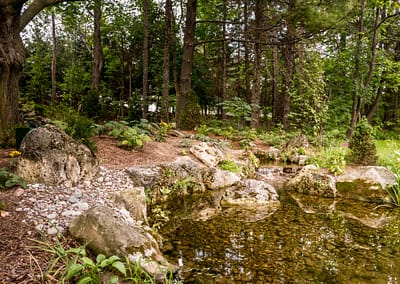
308, 65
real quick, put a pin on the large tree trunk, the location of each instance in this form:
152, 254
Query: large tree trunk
277, 110
356, 97
288, 53
97, 50
224, 59
145, 95
165, 84
12, 57
182, 104
246, 50
53, 59
256, 94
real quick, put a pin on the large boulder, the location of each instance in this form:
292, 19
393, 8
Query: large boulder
365, 183
133, 200
250, 192
209, 154
51, 157
312, 181
113, 232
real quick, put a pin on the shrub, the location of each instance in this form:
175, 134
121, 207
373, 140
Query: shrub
362, 144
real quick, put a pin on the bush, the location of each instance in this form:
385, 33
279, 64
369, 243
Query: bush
362, 145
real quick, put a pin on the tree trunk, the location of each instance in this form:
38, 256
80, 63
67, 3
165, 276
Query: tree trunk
277, 110
356, 97
224, 59
53, 59
165, 84
256, 93
246, 51
145, 95
97, 50
187, 66
288, 53
12, 57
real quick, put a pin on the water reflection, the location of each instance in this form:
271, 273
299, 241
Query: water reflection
291, 246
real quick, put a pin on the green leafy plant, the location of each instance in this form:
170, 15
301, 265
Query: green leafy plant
85, 270
74, 265
162, 131
9, 179
331, 158
362, 144
229, 165
130, 137
239, 109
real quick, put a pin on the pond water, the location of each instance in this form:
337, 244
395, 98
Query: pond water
336, 241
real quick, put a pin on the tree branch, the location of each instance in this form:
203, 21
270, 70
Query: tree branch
34, 8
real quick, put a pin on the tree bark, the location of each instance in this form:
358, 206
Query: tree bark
356, 97
166, 60
187, 64
288, 53
53, 60
224, 60
145, 98
256, 92
97, 50
277, 110
12, 57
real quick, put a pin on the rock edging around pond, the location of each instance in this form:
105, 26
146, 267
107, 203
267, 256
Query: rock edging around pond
198, 189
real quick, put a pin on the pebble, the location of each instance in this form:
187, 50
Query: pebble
51, 208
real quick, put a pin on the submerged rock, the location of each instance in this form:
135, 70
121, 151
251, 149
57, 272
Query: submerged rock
365, 183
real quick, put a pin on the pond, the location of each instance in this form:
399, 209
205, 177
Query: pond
336, 241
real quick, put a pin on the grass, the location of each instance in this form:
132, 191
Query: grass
386, 151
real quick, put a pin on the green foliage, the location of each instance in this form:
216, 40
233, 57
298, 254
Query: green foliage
130, 137
394, 189
229, 165
362, 144
9, 179
239, 109
331, 158
162, 131
74, 265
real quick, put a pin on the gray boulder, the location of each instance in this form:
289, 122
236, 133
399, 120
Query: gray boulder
114, 232
216, 178
250, 192
312, 181
134, 200
209, 154
365, 183
51, 157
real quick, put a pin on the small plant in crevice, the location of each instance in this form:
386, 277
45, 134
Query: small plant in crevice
9, 179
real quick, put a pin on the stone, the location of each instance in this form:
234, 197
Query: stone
209, 154
215, 178
312, 181
106, 231
50, 156
250, 192
143, 175
365, 183
134, 200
